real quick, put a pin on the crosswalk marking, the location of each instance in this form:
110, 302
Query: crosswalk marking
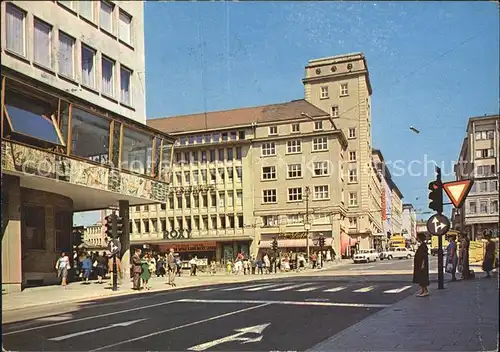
286, 288
208, 289
364, 289
398, 290
241, 287
260, 288
335, 289
309, 289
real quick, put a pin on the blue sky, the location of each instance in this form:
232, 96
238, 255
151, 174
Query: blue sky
432, 65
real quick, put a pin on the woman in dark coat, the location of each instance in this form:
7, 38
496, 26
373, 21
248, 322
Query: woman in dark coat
421, 267
489, 256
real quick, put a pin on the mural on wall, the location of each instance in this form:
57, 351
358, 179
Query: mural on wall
22, 159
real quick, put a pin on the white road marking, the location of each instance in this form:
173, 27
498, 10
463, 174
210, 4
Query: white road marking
335, 289
364, 289
398, 290
363, 267
293, 303
85, 332
257, 329
242, 287
260, 288
309, 289
286, 288
88, 318
179, 327
208, 289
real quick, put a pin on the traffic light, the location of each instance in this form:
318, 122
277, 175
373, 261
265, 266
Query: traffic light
119, 227
108, 226
321, 241
436, 193
275, 244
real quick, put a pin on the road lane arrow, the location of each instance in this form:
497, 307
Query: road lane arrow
256, 329
124, 324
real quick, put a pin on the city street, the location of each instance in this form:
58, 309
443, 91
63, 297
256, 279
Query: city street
261, 315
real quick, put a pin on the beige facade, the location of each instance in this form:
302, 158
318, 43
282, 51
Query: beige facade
340, 85
93, 50
397, 211
479, 160
94, 236
244, 180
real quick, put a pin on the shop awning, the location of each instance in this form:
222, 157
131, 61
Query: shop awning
345, 242
295, 243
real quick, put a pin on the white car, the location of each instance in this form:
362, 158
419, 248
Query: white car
399, 253
366, 255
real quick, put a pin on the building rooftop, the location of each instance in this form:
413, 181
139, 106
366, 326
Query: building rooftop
212, 120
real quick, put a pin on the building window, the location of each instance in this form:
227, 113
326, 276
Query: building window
230, 154
352, 132
294, 219
239, 198
125, 24
295, 194
230, 199
125, 77
494, 206
353, 222
294, 170
472, 207
43, 43
352, 156
324, 92
238, 153
106, 17
344, 89
334, 111
270, 221
321, 192
269, 196
483, 207
320, 143
187, 177
239, 173
294, 146
353, 175
221, 174
223, 221
273, 130
15, 29
221, 155
34, 227
66, 55
295, 127
107, 83
353, 199
318, 125
86, 9
88, 66
320, 168
268, 149
269, 173
241, 222
224, 137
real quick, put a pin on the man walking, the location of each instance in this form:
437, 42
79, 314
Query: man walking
171, 267
137, 269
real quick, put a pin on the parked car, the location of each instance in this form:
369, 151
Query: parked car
366, 255
397, 253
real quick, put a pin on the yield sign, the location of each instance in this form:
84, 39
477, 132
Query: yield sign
457, 191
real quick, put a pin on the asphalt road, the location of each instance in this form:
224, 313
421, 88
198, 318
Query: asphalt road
275, 314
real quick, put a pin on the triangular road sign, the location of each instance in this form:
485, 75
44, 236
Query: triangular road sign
457, 191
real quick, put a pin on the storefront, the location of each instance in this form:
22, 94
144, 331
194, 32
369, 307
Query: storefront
348, 245
295, 242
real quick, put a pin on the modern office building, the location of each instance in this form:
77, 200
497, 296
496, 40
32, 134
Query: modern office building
73, 127
479, 159
340, 85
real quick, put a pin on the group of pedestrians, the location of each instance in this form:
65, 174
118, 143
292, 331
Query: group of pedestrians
143, 266
455, 261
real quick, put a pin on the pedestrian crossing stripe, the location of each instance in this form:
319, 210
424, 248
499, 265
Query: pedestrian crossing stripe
309, 289
262, 287
398, 290
335, 289
364, 289
286, 288
240, 287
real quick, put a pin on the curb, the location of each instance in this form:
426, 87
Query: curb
130, 292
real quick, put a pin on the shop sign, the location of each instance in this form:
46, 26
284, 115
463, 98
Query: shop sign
194, 247
177, 234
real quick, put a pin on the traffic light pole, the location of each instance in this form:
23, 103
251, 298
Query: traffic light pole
440, 263
115, 274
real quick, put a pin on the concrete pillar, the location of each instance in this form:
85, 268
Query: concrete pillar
125, 239
12, 276
336, 235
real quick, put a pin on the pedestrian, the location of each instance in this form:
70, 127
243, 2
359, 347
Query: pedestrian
86, 267
421, 267
194, 265
172, 267
463, 266
136, 269
489, 256
62, 267
145, 271
452, 258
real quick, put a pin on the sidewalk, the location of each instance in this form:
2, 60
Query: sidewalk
78, 292
462, 317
